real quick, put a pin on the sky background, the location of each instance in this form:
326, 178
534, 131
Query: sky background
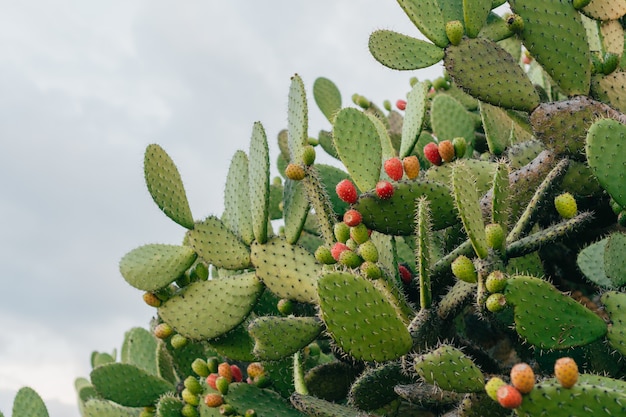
84, 87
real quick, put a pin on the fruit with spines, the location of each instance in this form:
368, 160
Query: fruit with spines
393, 167
509, 397
295, 172
431, 153
324, 255
492, 386
495, 236
565, 205
522, 377
341, 231
352, 218
566, 372
346, 191
495, 302
446, 150
359, 234
337, 249
213, 400
401, 104
460, 146
411, 165
495, 281
308, 156
454, 31
384, 190
463, 268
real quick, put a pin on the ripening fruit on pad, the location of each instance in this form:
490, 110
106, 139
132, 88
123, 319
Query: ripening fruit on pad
393, 167
346, 191
431, 152
401, 104
566, 372
411, 165
295, 172
492, 386
384, 190
565, 205
509, 397
446, 151
522, 377
352, 218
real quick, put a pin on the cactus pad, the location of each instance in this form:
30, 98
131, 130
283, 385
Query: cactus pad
614, 260
605, 141
297, 120
237, 199
400, 52
590, 261
475, 14
207, 309
549, 319
375, 387
610, 88
165, 186
395, 215
155, 266
217, 245
489, 73
450, 369
104, 408
259, 182
244, 396
605, 9
352, 132
427, 16
413, 118
361, 320
278, 337
28, 403
128, 385
316, 407
327, 97
295, 209
289, 271
449, 119
140, 349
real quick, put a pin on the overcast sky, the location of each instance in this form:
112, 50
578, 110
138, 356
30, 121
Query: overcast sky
84, 87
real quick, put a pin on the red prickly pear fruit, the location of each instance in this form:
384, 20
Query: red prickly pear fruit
210, 380
393, 167
411, 165
566, 372
405, 274
431, 152
509, 397
352, 218
523, 377
337, 249
492, 386
151, 299
384, 190
236, 373
213, 400
401, 104
295, 172
346, 191
446, 150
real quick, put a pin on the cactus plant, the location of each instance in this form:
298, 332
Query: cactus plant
380, 320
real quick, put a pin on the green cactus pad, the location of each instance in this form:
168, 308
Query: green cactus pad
327, 97
165, 362
326, 142
28, 403
413, 118
467, 202
606, 158
169, 406
590, 261
475, 14
580, 181
140, 349
296, 208
449, 119
423, 238
237, 199
360, 318
427, 396
330, 176
489, 73
244, 396
278, 337
375, 387
217, 245
297, 120
259, 182
396, 215
605, 9
289, 271
523, 153
316, 407
104, 408
207, 309
450, 369
610, 88
165, 186
554, 34
614, 260
495, 28
500, 200
236, 344
427, 16
354, 131
155, 266
614, 302
548, 319
499, 128
592, 395
481, 171
128, 385
387, 148
331, 381
400, 52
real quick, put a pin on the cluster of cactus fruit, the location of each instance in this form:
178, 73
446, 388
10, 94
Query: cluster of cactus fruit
430, 270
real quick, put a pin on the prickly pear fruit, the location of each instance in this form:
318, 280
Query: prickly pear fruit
446, 150
522, 377
566, 372
411, 165
509, 397
565, 205
384, 190
454, 31
495, 302
393, 168
352, 218
346, 191
295, 172
463, 268
401, 104
492, 386
431, 152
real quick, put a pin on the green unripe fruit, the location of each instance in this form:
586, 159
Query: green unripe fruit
495, 282
193, 385
262, 381
313, 141
492, 386
308, 155
199, 272
454, 31
250, 413
495, 236
413, 81
350, 259
363, 102
387, 105
189, 397
460, 146
200, 368
213, 363
285, 306
222, 383
163, 330
368, 251
440, 83
463, 269
359, 234
227, 410
314, 349
565, 205
183, 280
351, 244
189, 410
324, 256
342, 232
178, 341
579, 4
371, 271
515, 23
147, 413
495, 302
597, 64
